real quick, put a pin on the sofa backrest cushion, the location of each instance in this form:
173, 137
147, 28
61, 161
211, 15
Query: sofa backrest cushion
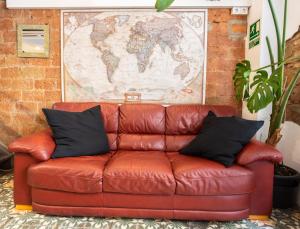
142, 127
110, 115
183, 122
150, 126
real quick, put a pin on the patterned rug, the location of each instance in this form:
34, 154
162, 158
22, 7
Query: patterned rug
11, 218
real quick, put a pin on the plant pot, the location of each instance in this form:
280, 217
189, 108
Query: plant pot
285, 190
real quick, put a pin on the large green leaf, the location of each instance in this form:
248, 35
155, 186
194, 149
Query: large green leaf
264, 93
241, 79
163, 4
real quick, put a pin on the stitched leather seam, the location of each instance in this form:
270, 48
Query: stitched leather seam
215, 177
80, 177
131, 178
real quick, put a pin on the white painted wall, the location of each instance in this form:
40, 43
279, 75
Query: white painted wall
268, 30
258, 57
253, 54
290, 143
293, 17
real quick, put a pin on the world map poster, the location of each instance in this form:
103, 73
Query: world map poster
134, 55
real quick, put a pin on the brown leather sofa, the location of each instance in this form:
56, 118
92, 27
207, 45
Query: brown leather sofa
144, 175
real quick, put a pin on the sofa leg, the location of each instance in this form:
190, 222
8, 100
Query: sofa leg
24, 207
258, 217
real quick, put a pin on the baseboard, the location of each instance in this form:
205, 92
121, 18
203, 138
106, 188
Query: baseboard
258, 217
24, 207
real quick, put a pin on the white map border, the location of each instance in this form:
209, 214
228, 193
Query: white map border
205, 11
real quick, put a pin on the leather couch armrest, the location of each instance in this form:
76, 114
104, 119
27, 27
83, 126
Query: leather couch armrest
258, 151
39, 145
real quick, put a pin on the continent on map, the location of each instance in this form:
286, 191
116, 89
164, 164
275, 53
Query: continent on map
122, 19
142, 46
183, 70
102, 29
111, 62
165, 32
195, 21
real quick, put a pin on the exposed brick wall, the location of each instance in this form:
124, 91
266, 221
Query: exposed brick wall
292, 51
28, 84
226, 46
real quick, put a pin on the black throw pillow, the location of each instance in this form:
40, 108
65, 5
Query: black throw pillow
222, 138
77, 133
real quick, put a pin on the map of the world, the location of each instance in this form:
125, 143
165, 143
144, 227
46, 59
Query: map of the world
144, 56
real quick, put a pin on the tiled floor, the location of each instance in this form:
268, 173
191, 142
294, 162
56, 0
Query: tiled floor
11, 218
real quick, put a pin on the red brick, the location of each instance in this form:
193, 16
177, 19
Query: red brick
225, 49
2, 60
226, 41
9, 72
41, 62
37, 14
219, 15
33, 72
217, 52
5, 84
7, 24
52, 72
10, 13
29, 107
53, 96
14, 61
10, 36
238, 52
10, 96
8, 48
23, 84
218, 27
7, 107
55, 60
239, 28
31, 96
6, 118
47, 84
31, 128
211, 90
25, 117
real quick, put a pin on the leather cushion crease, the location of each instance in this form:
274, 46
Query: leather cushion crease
144, 176
71, 174
200, 176
139, 172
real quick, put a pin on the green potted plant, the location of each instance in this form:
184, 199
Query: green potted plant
269, 85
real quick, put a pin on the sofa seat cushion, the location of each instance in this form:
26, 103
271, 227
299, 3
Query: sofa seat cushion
139, 172
73, 174
200, 176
